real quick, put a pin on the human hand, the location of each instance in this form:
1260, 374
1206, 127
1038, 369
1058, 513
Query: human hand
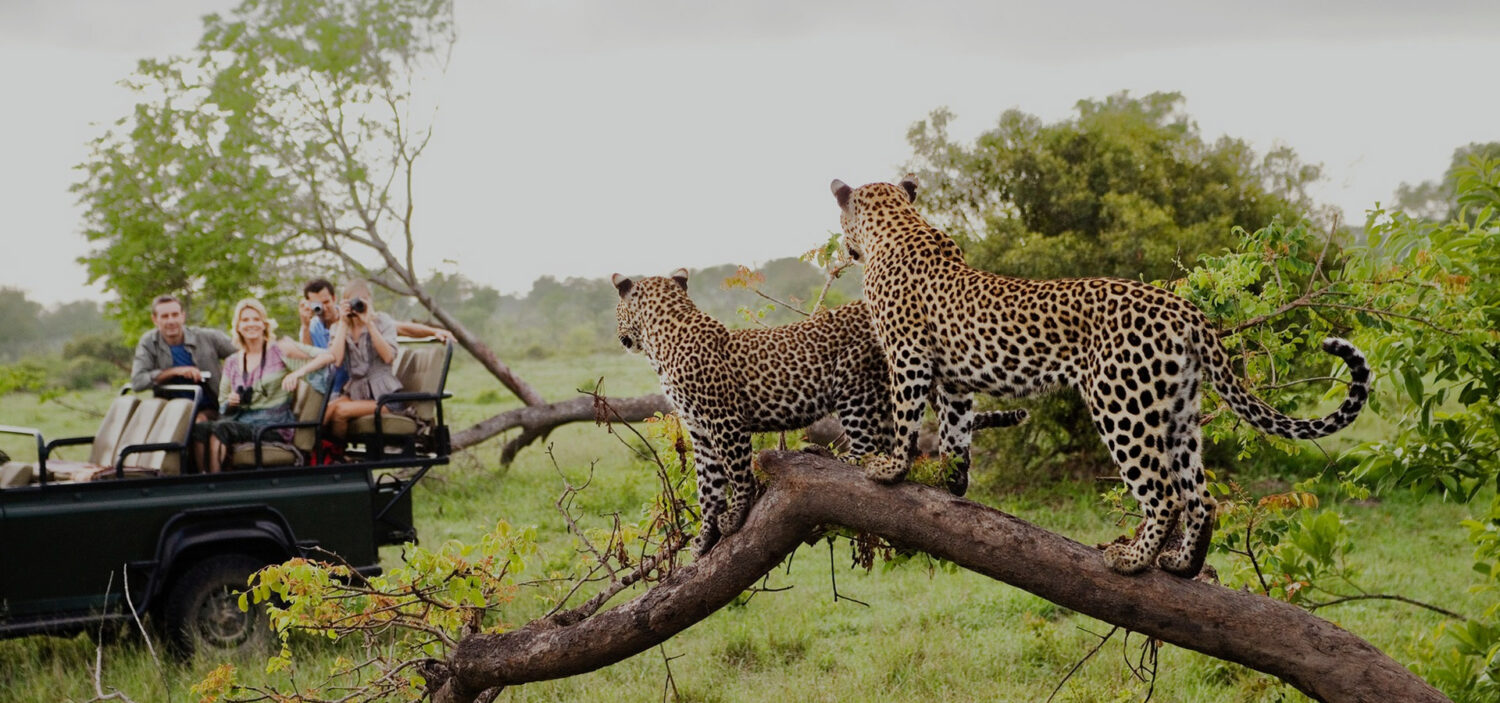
442, 334
190, 373
305, 311
233, 401
289, 383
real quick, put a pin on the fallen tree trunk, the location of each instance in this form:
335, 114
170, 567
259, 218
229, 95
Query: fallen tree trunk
805, 492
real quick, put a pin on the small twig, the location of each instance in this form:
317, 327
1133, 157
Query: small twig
162, 672
781, 302
834, 579
1076, 665
1250, 552
1384, 596
670, 684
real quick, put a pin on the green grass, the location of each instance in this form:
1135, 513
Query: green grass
926, 633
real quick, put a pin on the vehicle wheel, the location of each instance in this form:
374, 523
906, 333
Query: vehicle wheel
203, 613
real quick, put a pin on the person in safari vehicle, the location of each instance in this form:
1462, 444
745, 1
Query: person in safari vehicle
257, 386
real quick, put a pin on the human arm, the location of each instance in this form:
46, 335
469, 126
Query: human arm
293, 352
418, 330
228, 399
337, 343
382, 332
305, 314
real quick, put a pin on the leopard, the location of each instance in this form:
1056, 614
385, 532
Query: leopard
1135, 352
729, 383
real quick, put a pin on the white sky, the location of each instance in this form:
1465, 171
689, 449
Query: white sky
580, 138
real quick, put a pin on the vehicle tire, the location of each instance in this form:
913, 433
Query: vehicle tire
202, 611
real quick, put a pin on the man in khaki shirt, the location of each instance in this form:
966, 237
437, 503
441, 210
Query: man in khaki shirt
176, 353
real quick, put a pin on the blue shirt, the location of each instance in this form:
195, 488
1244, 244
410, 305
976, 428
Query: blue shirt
180, 355
317, 333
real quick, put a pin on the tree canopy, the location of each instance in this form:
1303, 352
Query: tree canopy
1125, 188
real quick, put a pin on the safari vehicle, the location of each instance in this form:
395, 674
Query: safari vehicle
132, 532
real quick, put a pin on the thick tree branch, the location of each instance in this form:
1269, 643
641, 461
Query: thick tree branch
806, 491
536, 421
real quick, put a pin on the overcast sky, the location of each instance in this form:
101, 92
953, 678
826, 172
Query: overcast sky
587, 137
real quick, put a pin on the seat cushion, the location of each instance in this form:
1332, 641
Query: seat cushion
271, 454
107, 439
391, 423
136, 430
14, 474
171, 426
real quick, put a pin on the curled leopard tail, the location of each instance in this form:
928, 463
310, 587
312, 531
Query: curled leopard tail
1266, 418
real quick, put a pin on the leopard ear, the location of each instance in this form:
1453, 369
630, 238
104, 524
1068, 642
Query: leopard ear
842, 191
909, 184
622, 284
681, 276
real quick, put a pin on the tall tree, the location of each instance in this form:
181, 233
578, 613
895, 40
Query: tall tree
1124, 189
286, 143
1438, 200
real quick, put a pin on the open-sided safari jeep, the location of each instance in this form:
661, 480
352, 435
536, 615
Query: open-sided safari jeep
131, 532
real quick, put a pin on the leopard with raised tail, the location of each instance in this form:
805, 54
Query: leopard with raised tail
1136, 353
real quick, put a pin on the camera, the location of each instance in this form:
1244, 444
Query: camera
358, 306
317, 309
246, 393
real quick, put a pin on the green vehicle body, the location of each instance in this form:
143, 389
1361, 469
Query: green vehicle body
75, 555
69, 550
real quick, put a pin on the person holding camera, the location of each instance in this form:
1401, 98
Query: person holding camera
319, 311
365, 342
257, 387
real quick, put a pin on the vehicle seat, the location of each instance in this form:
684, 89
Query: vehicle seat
308, 406
135, 431
422, 368
171, 426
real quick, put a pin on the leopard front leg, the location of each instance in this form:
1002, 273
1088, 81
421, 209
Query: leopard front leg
733, 447
911, 382
955, 411
711, 486
866, 416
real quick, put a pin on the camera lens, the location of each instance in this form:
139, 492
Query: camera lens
358, 305
317, 308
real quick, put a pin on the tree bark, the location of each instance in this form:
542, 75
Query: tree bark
537, 421
805, 492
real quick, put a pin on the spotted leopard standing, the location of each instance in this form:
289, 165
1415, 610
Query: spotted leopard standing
1136, 353
727, 384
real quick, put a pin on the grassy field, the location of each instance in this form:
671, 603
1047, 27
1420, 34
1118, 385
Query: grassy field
926, 634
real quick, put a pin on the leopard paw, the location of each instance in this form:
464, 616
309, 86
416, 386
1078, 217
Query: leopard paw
731, 520
705, 541
884, 469
1125, 559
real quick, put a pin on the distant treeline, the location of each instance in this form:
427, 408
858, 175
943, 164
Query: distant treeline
577, 315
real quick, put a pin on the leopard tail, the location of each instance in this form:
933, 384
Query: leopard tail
1271, 421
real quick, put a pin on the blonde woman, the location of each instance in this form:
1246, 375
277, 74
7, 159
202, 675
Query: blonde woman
366, 341
257, 386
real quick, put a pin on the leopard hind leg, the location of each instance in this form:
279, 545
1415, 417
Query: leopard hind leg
955, 411
1138, 447
1186, 449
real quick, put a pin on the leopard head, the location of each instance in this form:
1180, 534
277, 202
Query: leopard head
640, 301
863, 211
